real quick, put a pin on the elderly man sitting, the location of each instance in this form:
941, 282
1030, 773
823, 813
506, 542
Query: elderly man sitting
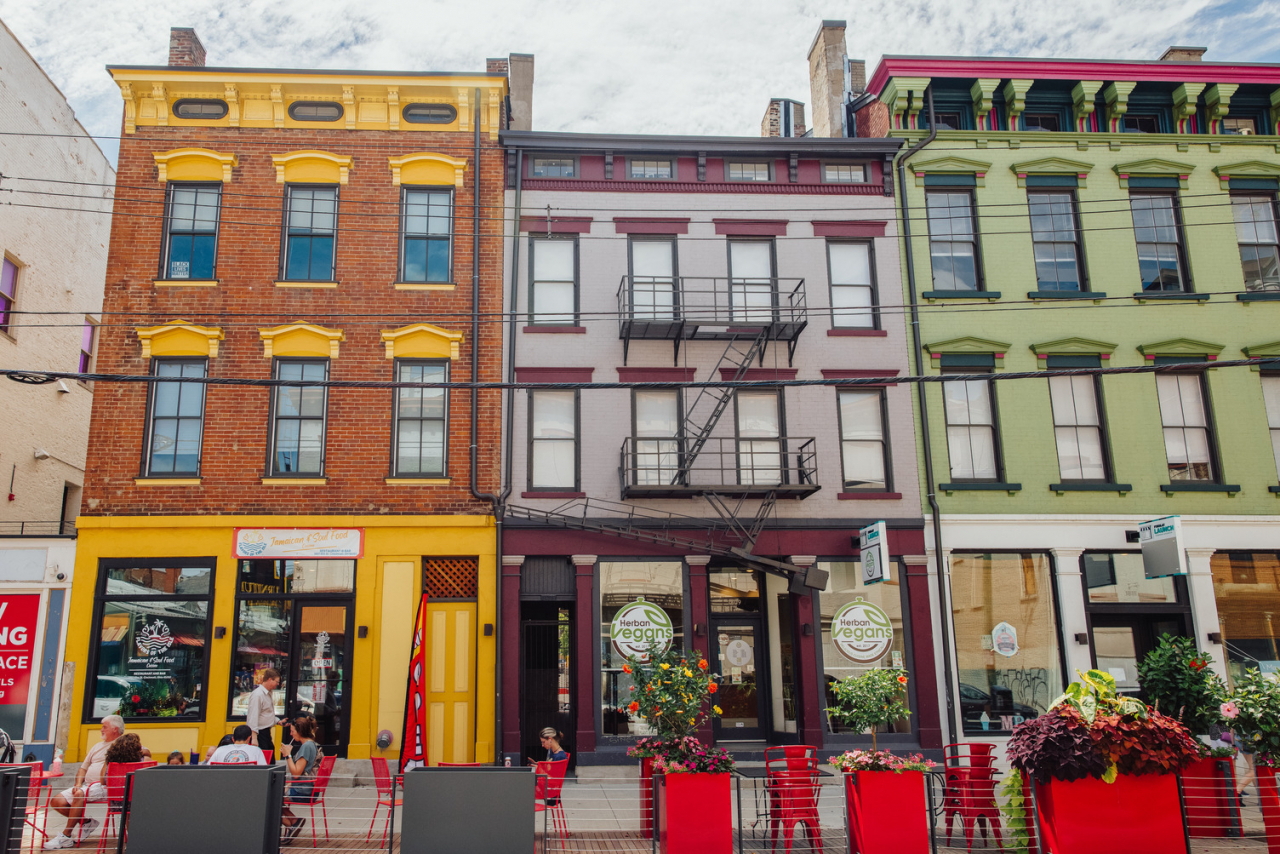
88, 787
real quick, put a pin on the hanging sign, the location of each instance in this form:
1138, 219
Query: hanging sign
1162, 552
873, 541
1004, 640
640, 628
299, 542
862, 632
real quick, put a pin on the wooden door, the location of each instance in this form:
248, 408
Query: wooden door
451, 681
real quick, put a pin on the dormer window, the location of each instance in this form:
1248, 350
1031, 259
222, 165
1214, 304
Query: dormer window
199, 108
1041, 121
315, 111
429, 114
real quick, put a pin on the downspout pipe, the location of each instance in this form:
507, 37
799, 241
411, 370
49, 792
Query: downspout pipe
923, 402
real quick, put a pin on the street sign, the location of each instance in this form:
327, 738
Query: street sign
1162, 553
873, 541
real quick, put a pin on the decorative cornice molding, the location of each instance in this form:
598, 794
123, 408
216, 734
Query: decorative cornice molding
1180, 347
1153, 167
1052, 166
422, 341
194, 164
301, 339
427, 167
179, 338
951, 166
312, 166
1077, 346
1245, 169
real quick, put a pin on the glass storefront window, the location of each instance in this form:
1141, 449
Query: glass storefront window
1119, 577
276, 577
1247, 588
844, 586
621, 583
151, 644
262, 641
1006, 639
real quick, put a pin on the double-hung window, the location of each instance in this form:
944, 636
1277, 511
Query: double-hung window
653, 278
298, 416
1271, 398
1188, 430
177, 419
1255, 217
421, 419
191, 245
953, 240
553, 441
1055, 240
426, 235
8, 292
972, 443
88, 334
752, 286
311, 222
864, 449
657, 442
1159, 237
1077, 420
760, 459
852, 285
553, 287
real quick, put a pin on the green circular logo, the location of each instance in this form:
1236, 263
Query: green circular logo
862, 632
640, 628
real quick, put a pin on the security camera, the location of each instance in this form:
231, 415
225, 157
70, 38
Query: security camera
41, 454
61, 576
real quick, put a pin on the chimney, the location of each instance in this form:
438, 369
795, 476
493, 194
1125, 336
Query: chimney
857, 76
826, 79
1184, 54
520, 80
185, 48
784, 117
496, 66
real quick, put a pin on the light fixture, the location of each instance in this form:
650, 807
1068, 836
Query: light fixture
62, 388
41, 454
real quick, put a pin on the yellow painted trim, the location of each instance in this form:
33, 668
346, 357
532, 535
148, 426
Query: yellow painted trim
419, 481
185, 283
314, 167
295, 481
318, 285
167, 481
194, 164
422, 341
179, 338
301, 339
424, 286
427, 167
269, 521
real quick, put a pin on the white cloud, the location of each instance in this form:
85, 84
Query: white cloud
696, 66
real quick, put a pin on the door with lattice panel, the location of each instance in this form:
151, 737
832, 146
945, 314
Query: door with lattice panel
450, 589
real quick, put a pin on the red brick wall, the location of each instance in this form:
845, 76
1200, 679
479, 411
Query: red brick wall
185, 47
873, 120
358, 441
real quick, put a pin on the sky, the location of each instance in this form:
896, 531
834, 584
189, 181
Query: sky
658, 66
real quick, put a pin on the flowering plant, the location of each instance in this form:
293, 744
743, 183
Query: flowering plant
1256, 706
672, 691
880, 760
1178, 681
690, 756
870, 699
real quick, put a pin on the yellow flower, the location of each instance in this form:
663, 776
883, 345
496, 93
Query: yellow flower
688, 672
719, 711
665, 666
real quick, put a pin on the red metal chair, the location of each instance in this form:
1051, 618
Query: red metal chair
971, 791
386, 796
34, 791
319, 784
114, 778
793, 800
547, 789
794, 757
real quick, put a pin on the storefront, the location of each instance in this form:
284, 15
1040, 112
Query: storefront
33, 619
1246, 587
175, 619
581, 615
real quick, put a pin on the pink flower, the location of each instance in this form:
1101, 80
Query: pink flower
1229, 710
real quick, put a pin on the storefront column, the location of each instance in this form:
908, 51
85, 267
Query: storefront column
1204, 607
924, 668
510, 616
586, 631
699, 608
809, 723
1070, 581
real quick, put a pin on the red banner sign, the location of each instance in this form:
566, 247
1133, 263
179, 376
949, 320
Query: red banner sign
18, 617
413, 740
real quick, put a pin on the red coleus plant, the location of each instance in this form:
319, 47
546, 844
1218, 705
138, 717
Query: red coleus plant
1154, 744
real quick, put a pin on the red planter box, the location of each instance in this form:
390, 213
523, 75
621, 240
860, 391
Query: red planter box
1270, 797
1136, 815
695, 813
1209, 791
646, 797
887, 812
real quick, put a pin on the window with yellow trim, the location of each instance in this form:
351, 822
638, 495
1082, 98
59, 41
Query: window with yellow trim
426, 235
191, 231
175, 423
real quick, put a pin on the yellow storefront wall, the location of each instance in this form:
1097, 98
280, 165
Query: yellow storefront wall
388, 588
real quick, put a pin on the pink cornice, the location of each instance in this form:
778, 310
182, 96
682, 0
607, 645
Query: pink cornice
751, 227
554, 375
650, 225
760, 374
557, 225
1072, 69
657, 375
848, 228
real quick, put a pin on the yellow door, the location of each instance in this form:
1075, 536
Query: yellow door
451, 681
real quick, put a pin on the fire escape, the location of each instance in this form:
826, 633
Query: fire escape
729, 471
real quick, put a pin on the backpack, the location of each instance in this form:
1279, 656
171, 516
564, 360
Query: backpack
8, 750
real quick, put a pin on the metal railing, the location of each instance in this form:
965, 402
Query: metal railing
37, 529
662, 468
690, 307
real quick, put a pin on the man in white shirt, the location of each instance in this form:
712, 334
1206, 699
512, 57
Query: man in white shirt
88, 787
239, 751
261, 714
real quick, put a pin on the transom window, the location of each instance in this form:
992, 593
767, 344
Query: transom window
310, 227
203, 108
315, 111
749, 171
427, 223
1156, 229
1255, 217
8, 292
852, 288
297, 446
864, 453
953, 241
1187, 442
1055, 241
649, 169
192, 243
177, 419
844, 173
421, 419
554, 167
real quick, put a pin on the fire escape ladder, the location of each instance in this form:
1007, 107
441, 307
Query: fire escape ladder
733, 516
713, 400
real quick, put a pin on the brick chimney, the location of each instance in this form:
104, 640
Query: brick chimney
496, 66
520, 80
1184, 54
784, 117
185, 48
826, 79
857, 76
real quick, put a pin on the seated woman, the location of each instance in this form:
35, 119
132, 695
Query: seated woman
302, 768
126, 748
550, 738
